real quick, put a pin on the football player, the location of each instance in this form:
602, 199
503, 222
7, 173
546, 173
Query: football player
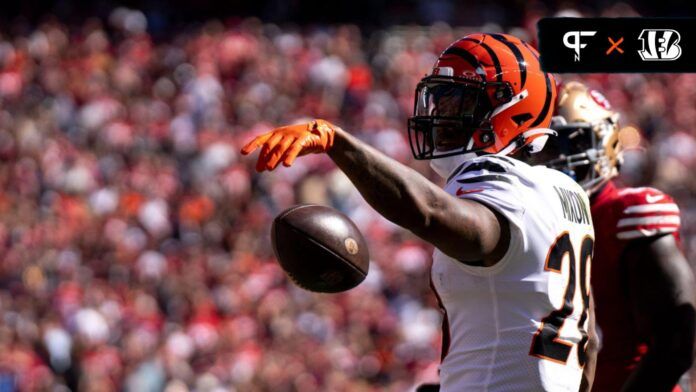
642, 284
513, 242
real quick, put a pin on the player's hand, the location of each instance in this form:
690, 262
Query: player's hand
284, 144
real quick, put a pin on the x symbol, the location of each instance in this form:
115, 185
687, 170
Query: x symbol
615, 45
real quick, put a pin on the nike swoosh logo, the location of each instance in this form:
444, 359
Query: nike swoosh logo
654, 198
461, 191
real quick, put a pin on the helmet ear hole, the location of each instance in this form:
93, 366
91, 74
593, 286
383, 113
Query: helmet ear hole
504, 93
487, 137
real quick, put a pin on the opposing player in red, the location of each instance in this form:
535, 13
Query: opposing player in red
642, 284
513, 241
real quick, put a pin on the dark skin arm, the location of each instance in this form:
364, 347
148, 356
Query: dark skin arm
464, 230
662, 293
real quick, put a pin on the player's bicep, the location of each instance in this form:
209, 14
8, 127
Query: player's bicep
483, 210
470, 231
660, 282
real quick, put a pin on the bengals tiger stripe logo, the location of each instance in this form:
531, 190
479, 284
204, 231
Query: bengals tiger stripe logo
660, 45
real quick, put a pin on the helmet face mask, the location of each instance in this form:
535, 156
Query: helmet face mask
451, 117
486, 94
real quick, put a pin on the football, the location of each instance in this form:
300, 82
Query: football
319, 248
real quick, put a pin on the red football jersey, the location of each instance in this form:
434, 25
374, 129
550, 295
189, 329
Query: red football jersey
621, 215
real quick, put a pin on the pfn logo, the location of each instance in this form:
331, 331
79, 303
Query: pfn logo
660, 45
575, 44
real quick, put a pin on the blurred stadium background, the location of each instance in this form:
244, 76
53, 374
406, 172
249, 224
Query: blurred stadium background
134, 241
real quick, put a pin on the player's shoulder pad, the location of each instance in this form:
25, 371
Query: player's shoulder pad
491, 179
645, 212
494, 181
482, 169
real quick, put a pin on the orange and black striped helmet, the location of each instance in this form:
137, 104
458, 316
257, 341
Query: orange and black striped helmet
486, 94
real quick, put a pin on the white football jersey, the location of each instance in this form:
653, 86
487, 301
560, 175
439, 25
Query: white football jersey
519, 325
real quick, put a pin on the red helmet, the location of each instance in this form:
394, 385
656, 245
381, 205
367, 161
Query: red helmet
486, 94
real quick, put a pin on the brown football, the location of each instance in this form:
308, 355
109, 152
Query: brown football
319, 248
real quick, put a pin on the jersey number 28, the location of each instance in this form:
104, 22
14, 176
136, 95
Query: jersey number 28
546, 343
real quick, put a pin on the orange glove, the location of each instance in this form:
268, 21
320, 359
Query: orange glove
287, 143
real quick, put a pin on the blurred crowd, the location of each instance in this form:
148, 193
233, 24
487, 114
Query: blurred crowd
134, 241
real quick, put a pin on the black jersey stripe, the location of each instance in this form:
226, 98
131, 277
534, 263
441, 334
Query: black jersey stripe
455, 172
476, 166
485, 165
485, 178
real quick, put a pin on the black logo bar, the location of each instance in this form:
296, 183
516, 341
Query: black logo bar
584, 45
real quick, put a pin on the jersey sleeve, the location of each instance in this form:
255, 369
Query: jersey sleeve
645, 213
494, 182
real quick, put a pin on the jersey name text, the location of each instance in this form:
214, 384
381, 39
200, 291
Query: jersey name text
574, 207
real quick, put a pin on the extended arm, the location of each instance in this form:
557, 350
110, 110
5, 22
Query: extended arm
463, 229
661, 290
